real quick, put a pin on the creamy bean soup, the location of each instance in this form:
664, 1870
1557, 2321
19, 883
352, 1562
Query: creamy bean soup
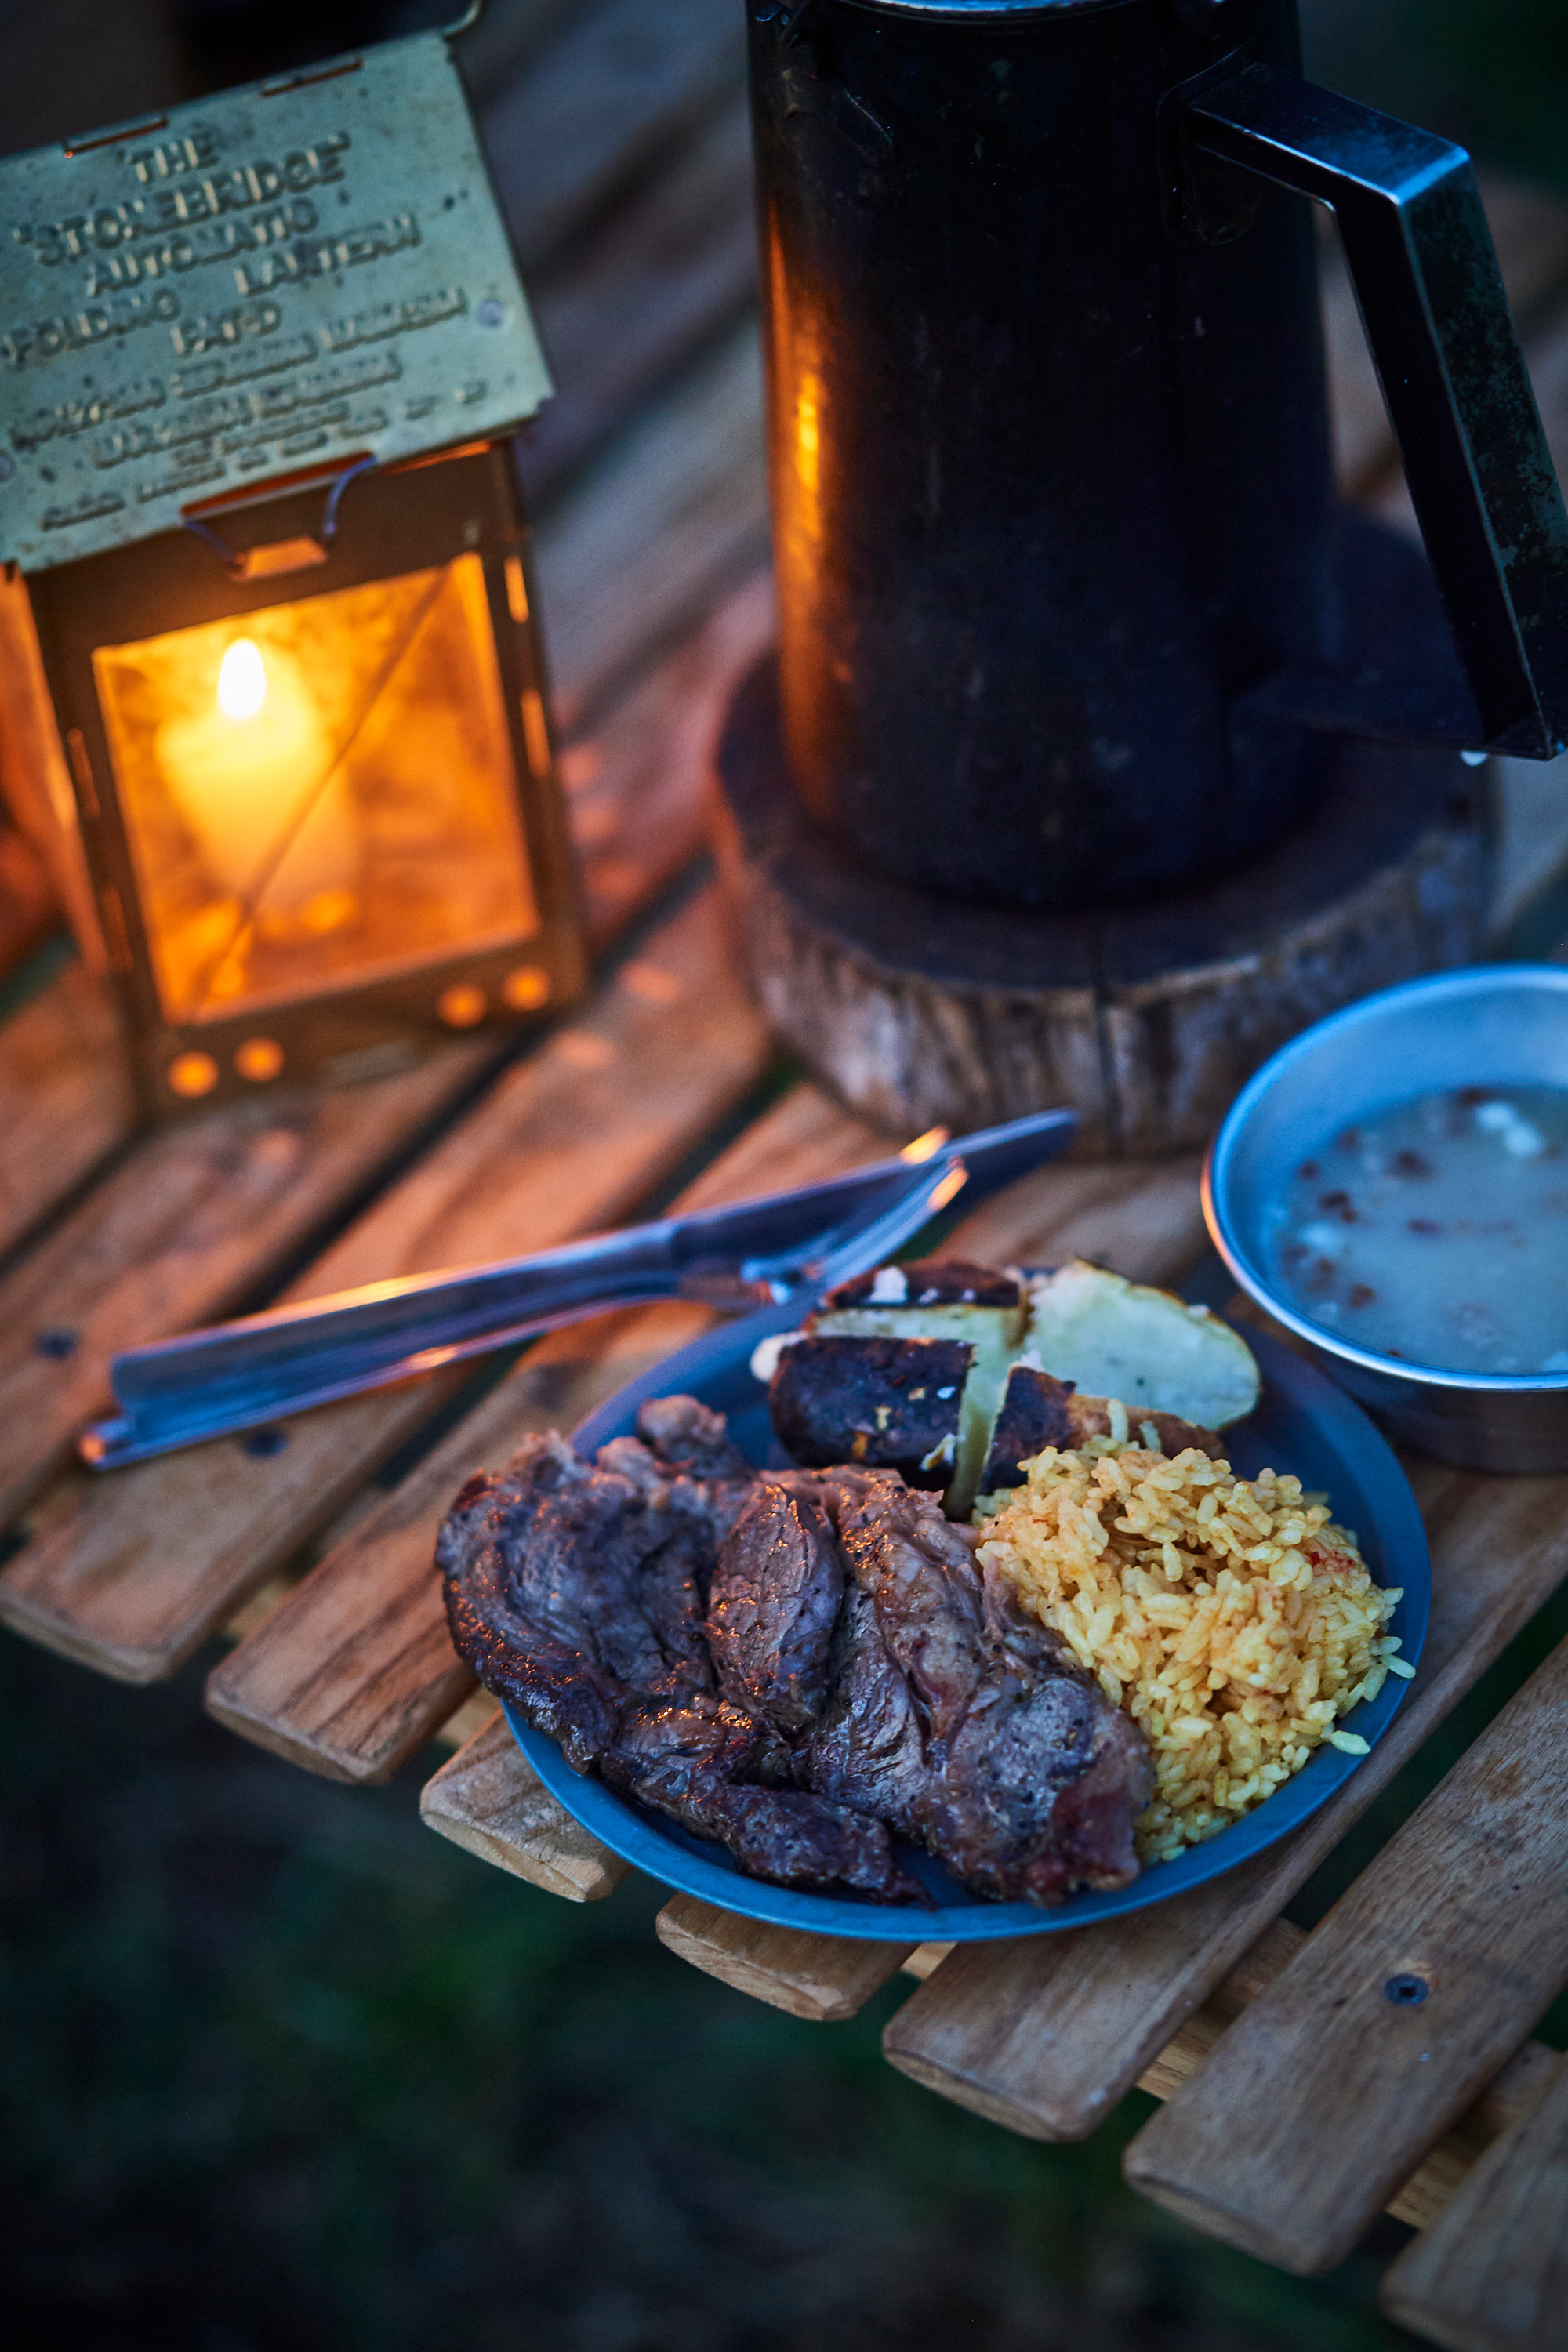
1438, 1232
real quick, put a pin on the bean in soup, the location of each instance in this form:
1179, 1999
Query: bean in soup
1438, 1232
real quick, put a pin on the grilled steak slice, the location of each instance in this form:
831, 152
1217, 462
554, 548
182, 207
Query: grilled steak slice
575, 1590
775, 1597
523, 1642
569, 1585
867, 1749
708, 1765
692, 1438
1011, 1727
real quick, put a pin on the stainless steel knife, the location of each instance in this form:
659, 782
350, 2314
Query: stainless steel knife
786, 1247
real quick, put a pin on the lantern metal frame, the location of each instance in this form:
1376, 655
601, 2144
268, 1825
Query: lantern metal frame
252, 555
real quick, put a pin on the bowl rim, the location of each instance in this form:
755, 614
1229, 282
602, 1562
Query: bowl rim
1470, 980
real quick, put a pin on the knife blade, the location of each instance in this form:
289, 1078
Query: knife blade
760, 1252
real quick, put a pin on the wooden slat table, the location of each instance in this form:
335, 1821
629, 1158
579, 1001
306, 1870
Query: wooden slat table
1491, 2275
1300, 2099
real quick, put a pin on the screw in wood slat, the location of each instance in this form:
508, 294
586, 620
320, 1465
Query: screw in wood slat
261, 1444
1406, 1992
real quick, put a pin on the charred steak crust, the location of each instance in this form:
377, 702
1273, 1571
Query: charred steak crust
1035, 1412
888, 1404
929, 1282
795, 1663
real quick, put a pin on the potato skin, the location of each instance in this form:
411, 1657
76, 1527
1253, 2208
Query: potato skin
929, 1282
1091, 1418
1037, 1411
889, 1404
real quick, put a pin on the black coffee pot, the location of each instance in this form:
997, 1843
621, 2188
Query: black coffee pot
1061, 595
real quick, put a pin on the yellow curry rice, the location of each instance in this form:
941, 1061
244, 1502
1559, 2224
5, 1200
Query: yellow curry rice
1230, 1617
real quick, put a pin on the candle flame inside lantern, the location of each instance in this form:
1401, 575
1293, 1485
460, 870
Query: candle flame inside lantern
242, 680
272, 816
322, 793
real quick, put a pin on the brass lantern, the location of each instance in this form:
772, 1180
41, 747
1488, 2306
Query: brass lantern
259, 361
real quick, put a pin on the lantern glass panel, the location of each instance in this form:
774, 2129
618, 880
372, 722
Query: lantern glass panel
318, 794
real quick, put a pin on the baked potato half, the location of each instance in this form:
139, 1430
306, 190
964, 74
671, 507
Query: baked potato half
1116, 1338
1051, 1360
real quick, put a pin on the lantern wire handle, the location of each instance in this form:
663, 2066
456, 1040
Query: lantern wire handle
349, 474
471, 16
220, 546
235, 563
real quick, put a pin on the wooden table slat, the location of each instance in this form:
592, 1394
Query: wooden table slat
671, 517
150, 1561
183, 1226
1325, 2096
1491, 2275
1046, 2037
488, 1800
636, 786
618, 89
1446, 2165
505, 45
631, 305
823, 1979
67, 1098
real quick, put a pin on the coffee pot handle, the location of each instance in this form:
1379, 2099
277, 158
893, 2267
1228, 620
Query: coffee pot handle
1437, 319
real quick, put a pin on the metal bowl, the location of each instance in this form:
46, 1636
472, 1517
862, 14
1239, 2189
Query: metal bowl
1497, 1026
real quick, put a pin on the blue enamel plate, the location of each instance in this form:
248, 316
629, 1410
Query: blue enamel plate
1303, 1423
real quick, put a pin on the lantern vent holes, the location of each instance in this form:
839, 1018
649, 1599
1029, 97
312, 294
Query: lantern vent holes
526, 989
462, 1006
190, 1076
259, 1059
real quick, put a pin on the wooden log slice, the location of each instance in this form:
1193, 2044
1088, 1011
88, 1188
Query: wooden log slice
918, 1011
